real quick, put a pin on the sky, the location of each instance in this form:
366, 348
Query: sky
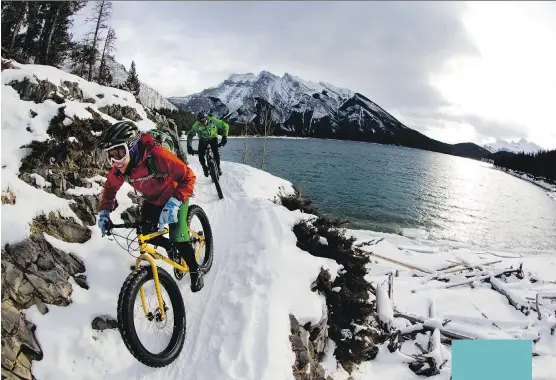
455, 71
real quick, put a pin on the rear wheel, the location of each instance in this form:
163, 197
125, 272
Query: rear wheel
152, 341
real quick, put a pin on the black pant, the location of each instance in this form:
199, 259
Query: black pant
149, 223
203, 147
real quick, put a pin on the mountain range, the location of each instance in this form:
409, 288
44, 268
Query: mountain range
513, 147
303, 108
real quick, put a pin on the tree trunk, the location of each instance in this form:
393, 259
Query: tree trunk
92, 61
51, 33
16, 31
101, 67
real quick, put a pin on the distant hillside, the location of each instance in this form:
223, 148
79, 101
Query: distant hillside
148, 97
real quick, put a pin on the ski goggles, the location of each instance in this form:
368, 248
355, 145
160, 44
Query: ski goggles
117, 153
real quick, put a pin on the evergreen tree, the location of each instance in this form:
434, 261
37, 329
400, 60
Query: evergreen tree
101, 14
132, 82
55, 39
36, 13
540, 164
13, 21
104, 76
80, 57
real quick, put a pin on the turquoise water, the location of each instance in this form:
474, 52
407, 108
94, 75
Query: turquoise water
386, 188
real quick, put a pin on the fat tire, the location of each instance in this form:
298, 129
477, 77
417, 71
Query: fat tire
215, 179
195, 210
126, 302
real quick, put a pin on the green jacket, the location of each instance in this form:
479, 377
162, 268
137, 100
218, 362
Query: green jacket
213, 128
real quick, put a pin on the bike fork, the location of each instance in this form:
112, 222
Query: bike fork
156, 283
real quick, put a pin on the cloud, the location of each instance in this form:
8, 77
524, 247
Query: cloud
383, 50
392, 52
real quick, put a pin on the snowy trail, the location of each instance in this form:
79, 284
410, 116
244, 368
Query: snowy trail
237, 325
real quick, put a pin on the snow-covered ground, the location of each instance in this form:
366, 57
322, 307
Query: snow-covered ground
478, 310
238, 325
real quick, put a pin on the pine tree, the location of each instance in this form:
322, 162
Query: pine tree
12, 23
36, 13
132, 82
38, 32
104, 76
80, 57
55, 39
101, 14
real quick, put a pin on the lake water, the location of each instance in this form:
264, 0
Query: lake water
386, 188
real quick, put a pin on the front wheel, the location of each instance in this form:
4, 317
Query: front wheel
198, 222
152, 341
216, 180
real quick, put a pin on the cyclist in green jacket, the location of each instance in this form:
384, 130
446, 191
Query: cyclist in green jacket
208, 128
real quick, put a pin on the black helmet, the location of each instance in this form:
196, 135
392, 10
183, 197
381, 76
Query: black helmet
120, 133
202, 116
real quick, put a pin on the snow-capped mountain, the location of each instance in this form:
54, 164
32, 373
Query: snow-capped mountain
297, 105
514, 147
303, 108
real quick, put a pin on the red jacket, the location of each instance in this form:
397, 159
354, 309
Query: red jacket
179, 183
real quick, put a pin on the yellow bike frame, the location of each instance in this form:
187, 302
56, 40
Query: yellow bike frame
150, 254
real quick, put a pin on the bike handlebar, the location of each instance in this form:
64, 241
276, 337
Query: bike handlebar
120, 225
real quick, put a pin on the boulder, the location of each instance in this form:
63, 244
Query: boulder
62, 228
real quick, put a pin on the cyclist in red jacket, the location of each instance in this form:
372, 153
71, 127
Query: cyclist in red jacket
166, 196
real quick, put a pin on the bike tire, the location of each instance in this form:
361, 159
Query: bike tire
214, 176
126, 324
195, 210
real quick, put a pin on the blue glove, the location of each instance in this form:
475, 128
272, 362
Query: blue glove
104, 221
169, 213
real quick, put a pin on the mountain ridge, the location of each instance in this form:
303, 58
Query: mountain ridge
304, 108
522, 145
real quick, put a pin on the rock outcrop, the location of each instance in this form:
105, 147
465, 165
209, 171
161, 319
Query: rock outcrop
309, 345
34, 273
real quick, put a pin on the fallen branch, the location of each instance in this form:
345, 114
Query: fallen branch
409, 266
429, 325
487, 322
479, 276
520, 304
